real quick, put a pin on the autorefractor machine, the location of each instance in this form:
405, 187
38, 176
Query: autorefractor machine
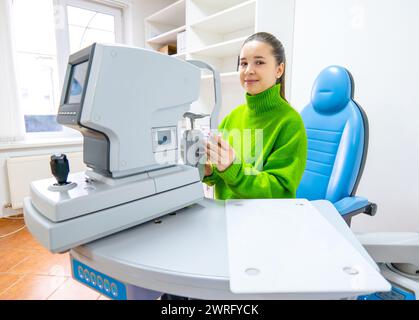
137, 222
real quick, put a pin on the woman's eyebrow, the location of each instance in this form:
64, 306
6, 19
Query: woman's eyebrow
255, 57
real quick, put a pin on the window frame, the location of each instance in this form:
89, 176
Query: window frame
118, 10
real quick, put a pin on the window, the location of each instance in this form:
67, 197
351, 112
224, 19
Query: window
87, 26
46, 33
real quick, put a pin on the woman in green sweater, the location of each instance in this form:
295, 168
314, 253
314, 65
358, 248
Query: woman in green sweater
269, 140
262, 150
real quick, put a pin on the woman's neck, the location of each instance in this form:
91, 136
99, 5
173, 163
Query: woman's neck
266, 101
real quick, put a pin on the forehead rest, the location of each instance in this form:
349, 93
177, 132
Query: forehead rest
332, 90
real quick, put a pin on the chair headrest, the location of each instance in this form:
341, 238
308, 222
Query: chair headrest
332, 90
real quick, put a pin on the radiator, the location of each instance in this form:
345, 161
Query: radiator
22, 171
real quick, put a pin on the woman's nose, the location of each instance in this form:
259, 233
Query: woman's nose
249, 69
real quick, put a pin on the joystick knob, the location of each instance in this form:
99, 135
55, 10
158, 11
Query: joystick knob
60, 168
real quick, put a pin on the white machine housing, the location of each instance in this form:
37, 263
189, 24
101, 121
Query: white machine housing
127, 102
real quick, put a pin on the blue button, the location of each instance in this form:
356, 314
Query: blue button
93, 278
99, 282
80, 272
114, 289
86, 276
107, 285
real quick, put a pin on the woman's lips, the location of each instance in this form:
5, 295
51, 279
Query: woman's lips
250, 81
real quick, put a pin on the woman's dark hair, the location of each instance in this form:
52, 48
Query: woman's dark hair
278, 52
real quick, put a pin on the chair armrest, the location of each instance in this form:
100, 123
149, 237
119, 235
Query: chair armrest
355, 205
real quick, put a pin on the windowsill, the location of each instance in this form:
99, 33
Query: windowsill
41, 143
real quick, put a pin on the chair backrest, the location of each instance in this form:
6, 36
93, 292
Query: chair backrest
337, 131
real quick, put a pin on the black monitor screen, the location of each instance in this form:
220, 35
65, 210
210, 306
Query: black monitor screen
77, 82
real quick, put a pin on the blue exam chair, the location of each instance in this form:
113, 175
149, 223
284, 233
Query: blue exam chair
337, 131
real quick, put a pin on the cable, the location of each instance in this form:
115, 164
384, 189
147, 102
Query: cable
13, 232
18, 216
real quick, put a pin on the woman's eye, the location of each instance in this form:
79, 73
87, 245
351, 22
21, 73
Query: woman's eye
243, 64
260, 62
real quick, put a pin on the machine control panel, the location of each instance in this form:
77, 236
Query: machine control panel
98, 281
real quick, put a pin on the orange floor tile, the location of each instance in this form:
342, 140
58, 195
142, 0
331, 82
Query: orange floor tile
30, 272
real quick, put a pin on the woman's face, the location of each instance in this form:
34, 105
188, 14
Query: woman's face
258, 68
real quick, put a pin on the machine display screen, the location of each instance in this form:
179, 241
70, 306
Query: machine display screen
77, 82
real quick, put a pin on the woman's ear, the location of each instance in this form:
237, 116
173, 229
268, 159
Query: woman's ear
280, 70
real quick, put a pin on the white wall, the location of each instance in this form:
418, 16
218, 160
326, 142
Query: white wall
377, 40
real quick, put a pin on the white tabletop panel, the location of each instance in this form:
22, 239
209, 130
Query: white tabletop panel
278, 246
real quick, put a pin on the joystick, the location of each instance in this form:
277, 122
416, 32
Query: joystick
60, 169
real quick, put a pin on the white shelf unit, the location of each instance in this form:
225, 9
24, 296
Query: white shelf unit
218, 29
162, 27
226, 76
167, 37
227, 21
214, 32
201, 9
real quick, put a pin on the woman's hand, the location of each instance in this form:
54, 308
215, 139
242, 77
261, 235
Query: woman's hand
207, 169
220, 153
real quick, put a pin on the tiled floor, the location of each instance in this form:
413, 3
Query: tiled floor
28, 271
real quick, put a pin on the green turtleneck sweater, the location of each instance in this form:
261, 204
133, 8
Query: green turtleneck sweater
275, 170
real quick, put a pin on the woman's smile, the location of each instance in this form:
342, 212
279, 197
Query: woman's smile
250, 81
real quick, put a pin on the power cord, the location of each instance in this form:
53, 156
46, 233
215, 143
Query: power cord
13, 232
13, 218
9, 234
18, 216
